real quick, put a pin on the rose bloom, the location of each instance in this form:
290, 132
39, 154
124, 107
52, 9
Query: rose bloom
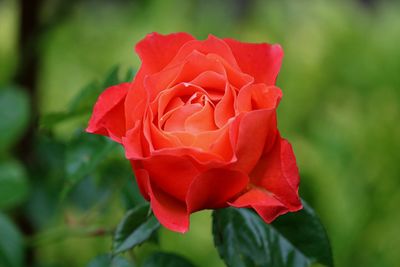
198, 124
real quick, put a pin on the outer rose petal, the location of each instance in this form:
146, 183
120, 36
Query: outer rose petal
274, 183
213, 188
155, 52
142, 178
108, 117
171, 173
263, 202
277, 172
212, 45
258, 96
256, 129
169, 211
262, 61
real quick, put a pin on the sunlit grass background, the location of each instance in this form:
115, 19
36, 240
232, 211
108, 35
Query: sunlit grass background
340, 110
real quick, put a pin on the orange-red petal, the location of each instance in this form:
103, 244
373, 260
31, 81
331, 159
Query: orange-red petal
108, 117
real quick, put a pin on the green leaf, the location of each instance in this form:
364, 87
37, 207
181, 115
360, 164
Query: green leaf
14, 114
166, 260
84, 101
130, 74
106, 260
13, 184
112, 77
243, 239
306, 232
84, 153
11, 249
51, 119
135, 228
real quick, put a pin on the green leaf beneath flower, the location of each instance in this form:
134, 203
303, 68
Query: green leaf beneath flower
243, 239
136, 227
166, 260
306, 232
107, 260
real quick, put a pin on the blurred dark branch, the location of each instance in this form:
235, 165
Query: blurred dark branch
31, 32
30, 35
26, 76
27, 68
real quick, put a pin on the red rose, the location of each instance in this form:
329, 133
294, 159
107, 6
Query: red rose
198, 124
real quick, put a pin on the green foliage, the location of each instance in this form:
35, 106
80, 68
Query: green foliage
305, 231
13, 184
166, 260
11, 244
108, 260
83, 102
243, 239
84, 153
14, 114
136, 227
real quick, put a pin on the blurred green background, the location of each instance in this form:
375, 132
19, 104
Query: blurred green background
341, 111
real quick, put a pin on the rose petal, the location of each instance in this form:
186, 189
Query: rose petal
171, 173
156, 83
176, 122
262, 61
213, 82
256, 129
258, 96
163, 102
157, 50
212, 45
132, 142
216, 142
170, 212
224, 110
277, 172
108, 117
196, 63
263, 202
142, 178
213, 188
202, 120
234, 75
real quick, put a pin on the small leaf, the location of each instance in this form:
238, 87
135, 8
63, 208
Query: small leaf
112, 77
51, 119
11, 250
83, 155
244, 239
130, 74
135, 228
13, 184
14, 114
106, 260
166, 260
84, 100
